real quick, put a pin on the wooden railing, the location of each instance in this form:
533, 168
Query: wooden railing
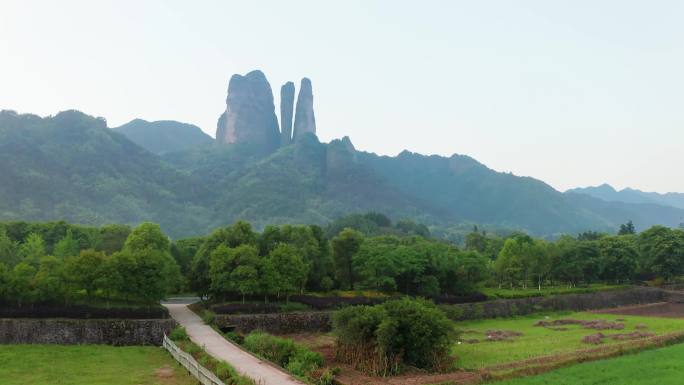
203, 375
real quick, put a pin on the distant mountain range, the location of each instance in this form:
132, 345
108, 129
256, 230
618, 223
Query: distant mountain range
628, 195
71, 166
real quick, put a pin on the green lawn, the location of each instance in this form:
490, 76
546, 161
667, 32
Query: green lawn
654, 367
539, 341
89, 365
545, 291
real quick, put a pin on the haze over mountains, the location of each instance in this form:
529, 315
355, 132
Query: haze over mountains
629, 195
266, 170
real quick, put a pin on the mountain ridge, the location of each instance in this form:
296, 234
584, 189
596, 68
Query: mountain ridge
608, 193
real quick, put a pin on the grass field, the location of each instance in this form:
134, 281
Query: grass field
89, 365
654, 367
539, 341
546, 291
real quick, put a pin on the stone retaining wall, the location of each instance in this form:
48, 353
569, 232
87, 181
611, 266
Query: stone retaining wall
283, 323
573, 302
277, 323
118, 332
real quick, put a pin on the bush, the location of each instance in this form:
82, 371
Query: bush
272, 348
385, 338
208, 317
235, 337
295, 358
179, 334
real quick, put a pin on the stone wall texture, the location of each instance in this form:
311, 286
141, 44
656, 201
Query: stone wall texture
277, 323
117, 332
314, 321
572, 302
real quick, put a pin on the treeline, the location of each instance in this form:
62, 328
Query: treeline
62, 263
288, 259
521, 261
59, 262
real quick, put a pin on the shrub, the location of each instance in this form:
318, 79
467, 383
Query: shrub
235, 337
295, 358
179, 334
303, 362
208, 317
272, 348
384, 338
452, 312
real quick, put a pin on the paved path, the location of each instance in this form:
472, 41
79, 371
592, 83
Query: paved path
264, 373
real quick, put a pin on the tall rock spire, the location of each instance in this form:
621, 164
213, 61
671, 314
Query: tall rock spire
250, 113
287, 95
305, 121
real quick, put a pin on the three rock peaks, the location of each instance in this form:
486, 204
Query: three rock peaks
250, 113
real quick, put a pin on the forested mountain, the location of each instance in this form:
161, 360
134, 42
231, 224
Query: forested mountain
164, 135
629, 195
72, 167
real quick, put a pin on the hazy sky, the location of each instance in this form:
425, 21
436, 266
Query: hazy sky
572, 92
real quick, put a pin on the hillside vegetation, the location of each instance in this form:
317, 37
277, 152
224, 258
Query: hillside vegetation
72, 167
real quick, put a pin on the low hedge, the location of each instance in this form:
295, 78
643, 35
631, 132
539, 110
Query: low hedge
325, 303
83, 312
245, 308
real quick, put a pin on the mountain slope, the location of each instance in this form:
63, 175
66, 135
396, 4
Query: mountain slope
164, 135
72, 167
628, 195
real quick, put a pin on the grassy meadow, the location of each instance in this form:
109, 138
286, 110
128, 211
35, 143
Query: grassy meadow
537, 341
89, 365
653, 367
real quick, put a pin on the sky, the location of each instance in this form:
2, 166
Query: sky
574, 93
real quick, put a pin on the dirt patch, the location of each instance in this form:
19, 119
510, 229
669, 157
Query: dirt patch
598, 324
165, 375
501, 335
662, 309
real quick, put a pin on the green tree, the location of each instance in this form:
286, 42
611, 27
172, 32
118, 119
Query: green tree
5, 276
344, 246
476, 241
240, 233
9, 250
147, 236
224, 261
85, 271
67, 246
292, 271
620, 256
663, 251
33, 249
245, 279
111, 238
21, 287
49, 282
627, 229
158, 272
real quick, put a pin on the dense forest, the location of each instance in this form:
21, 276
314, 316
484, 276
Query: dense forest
72, 167
56, 262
